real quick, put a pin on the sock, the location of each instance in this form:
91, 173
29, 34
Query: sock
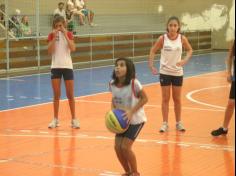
225, 129
178, 122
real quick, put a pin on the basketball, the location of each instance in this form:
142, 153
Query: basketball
115, 121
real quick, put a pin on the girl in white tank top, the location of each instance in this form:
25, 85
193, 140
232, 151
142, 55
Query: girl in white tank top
128, 94
171, 54
171, 69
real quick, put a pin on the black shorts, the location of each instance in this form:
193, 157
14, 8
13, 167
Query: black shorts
168, 80
132, 132
232, 91
58, 73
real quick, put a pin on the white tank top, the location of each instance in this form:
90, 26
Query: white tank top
61, 58
126, 97
171, 53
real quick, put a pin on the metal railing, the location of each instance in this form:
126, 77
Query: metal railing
31, 53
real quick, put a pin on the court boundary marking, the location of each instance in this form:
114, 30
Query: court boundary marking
140, 140
190, 94
104, 92
38, 74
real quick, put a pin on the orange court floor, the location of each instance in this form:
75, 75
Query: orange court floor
29, 148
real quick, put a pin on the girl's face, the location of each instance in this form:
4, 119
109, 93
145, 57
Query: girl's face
59, 26
120, 69
173, 26
25, 19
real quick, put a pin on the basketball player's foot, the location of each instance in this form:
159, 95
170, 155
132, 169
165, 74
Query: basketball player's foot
180, 127
164, 127
54, 123
220, 131
75, 123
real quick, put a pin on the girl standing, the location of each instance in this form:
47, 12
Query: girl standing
60, 45
171, 69
128, 94
231, 102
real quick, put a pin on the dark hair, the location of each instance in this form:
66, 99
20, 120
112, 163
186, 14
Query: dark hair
130, 71
23, 21
61, 3
175, 19
57, 19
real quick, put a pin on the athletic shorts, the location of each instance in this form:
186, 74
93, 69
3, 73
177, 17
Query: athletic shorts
132, 132
58, 73
85, 12
168, 80
232, 91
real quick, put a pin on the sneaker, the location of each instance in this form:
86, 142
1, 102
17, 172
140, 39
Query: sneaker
219, 132
180, 127
54, 123
164, 127
75, 123
93, 25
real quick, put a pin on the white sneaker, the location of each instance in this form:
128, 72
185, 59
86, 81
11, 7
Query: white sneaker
75, 123
180, 127
164, 127
54, 123
93, 25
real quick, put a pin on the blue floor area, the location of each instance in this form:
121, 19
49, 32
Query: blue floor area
31, 90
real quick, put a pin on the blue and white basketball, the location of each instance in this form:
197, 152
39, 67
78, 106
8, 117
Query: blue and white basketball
115, 121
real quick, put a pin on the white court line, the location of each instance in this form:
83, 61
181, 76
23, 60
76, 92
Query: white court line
145, 85
149, 105
190, 94
5, 160
105, 66
162, 142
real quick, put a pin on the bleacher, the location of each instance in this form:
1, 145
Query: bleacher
117, 35
92, 50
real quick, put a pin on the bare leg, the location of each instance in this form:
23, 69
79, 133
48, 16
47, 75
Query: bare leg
56, 86
129, 154
229, 113
165, 102
91, 16
177, 90
69, 84
120, 156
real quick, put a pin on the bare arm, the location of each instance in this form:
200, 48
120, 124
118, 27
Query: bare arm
189, 50
143, 100
157, 46
229, 63
112, 104
51, 44
70, 42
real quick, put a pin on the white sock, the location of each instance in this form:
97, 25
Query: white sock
225, 129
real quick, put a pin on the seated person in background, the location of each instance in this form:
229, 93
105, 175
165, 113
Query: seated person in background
69, 21
14, 23
2, 11
81, 5
73, 11
60, 10
25, 29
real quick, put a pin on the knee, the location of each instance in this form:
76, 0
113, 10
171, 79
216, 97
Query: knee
125, 148
57, 97
165, 100
177, 100
117, 148
231, 104
70, 96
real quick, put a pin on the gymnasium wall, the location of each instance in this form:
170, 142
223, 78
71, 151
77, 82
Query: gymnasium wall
195, 15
